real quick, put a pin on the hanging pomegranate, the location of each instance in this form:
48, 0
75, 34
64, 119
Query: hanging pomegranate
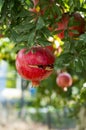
63, 25
64, 80
35, 64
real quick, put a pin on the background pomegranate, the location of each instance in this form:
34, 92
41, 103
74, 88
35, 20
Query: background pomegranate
36, 64
63, 25
64, 80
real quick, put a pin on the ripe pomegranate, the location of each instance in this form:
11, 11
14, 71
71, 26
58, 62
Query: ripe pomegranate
35, 64
63, 25
64, 80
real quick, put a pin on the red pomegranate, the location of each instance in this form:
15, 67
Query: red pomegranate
64, 80
35, 64
63, 25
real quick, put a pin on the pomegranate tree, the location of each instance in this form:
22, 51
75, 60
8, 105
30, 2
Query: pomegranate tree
63, 25
35, 64
64, 80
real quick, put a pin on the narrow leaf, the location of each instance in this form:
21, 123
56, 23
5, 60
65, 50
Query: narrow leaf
40, 23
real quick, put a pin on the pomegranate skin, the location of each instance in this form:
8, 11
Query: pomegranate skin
64, 80
63, 25
34, 64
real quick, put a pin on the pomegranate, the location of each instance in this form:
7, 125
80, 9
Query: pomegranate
63, 25
35, 64
64, 80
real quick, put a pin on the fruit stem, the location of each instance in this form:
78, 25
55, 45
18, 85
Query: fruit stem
35, 83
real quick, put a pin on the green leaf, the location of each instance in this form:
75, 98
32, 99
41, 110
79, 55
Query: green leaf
14, 35
83, 37
1, 4
31, 38
64, 60
24, 27
18, 47
21, 38
3, 11
81, 1
83, 52
27, 1
43, 42
24, 13
78, 65
40, 23
83, 94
